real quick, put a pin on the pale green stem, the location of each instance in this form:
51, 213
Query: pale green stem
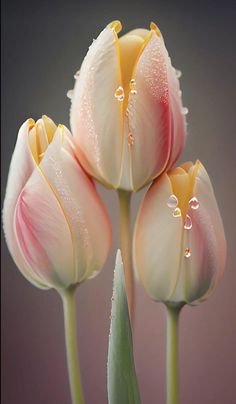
126, 246
68, 298
172, 377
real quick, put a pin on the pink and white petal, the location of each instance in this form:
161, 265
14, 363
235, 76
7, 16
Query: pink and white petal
43, 233
208, 241
21, 168
149, 114
157, 242
96, 115
86, 215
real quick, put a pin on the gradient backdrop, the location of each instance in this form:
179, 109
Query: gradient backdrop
44, 44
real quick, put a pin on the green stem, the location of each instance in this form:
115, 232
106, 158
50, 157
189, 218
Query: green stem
126, 246
172, 379
68, 298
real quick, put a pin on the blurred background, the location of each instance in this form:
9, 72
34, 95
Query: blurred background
43, 45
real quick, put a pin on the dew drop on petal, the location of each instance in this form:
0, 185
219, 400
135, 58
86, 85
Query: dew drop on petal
132, 86
188, 222
76, 75
172, 201
178, 73
176, 212
187, 252
194, 203
184, 110
119, 93
130, 139
69, 94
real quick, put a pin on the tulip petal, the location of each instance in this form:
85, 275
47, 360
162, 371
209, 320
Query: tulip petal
206, 241
42, 232
21, 168
83, 209
154, 113
96, 115
157, 241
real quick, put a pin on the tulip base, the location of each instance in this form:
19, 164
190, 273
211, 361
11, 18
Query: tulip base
126, 246
68, 298
172, 374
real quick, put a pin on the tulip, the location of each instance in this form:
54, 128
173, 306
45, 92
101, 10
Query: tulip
179, 244
56, 227
126, 113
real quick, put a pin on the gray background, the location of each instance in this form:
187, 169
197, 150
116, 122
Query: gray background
43, 45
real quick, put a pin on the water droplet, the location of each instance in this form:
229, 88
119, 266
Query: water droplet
178, 73
130, 139
176, 212
132, 86
119, 94
184, 110
76, 75
194, 203
172, 201
188, 222
69, 94
187, 252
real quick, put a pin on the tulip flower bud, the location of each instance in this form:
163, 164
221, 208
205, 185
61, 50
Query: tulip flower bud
56, 227
127, 114
179, 243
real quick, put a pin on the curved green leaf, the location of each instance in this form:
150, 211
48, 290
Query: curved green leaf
121, 376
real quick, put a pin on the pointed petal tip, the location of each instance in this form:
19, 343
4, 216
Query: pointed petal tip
31, 123
115, 25
155, 28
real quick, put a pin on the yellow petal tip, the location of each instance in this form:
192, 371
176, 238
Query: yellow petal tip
31, 123
116, 25
155, 28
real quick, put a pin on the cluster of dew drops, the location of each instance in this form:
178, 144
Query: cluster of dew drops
172, 203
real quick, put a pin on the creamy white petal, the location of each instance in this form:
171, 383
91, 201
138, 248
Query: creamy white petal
157, 242
96, 115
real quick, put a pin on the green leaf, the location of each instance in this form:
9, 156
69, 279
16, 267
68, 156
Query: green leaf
121, 377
